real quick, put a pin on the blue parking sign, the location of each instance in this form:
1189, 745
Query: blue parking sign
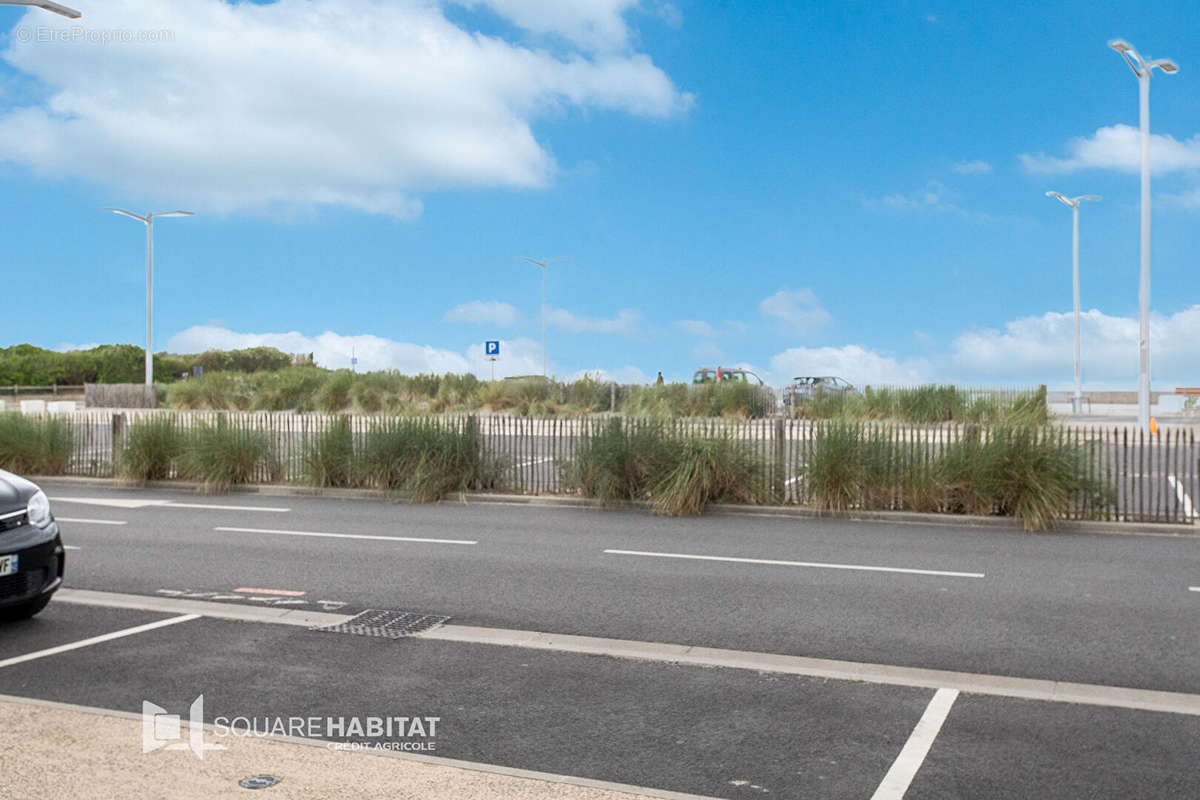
491, 348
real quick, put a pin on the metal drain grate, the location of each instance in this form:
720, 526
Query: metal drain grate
386, 624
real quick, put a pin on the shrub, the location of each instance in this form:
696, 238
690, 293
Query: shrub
331, 460
833, 471
426, 459
152, 448
34, 445
619, 460
220, 456
1031, 473
667, 400
707, 471
625, 460
1027, 472
517, 394
289, 389
334, 394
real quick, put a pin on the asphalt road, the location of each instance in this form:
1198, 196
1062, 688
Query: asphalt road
1099, 610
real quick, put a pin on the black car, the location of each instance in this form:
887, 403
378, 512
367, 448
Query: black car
31, 551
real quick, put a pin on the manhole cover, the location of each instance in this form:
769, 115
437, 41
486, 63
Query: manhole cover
386, 624
259, 782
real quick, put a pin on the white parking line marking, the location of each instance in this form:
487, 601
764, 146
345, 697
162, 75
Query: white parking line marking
1185, 501
905, 767
75, 521
346, 536
1194, 588
815, 564
108, 637
71, 547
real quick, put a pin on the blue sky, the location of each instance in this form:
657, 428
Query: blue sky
804, 188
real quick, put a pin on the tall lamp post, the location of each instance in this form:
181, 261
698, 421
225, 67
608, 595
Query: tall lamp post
1073, 204
148, 221
1142, 69
69, 13
543, 264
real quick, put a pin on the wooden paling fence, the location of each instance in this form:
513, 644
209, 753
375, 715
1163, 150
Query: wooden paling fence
1132, 476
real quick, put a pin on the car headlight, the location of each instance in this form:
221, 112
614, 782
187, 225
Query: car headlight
39, 510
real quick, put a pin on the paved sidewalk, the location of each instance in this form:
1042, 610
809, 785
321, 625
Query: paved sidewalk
53, 752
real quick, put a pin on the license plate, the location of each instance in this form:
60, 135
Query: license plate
8, 565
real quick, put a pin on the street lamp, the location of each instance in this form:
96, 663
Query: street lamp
1142, 69
69, 13
148, 221
1073, 204
543, 263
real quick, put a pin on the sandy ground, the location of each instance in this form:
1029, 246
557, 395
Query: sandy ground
59, 754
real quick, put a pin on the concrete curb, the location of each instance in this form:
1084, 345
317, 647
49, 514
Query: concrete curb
545, 501
690, 655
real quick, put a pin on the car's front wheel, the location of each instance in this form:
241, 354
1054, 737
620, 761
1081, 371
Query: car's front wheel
23, 610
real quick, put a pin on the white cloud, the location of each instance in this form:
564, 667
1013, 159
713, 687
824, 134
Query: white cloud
935, 196
800, 311
1188, 199
708, 353
594, 24
481, 312
333, 351
697, 327
972, 167
669, 13
330, 350
1117, 147
856, 364
706, 330
517, 357
298, 104
624, 324
1041, 348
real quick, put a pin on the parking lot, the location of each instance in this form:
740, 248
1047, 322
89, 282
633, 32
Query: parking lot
781, 658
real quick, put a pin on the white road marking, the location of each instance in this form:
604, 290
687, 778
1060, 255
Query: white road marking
815, 564
110, 502
71, 547
533, 462
905, 767
122, 503
330, 605
282, 592
346, 536
1185, 501
211, 507
1194, 588
74, 521
108, 637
